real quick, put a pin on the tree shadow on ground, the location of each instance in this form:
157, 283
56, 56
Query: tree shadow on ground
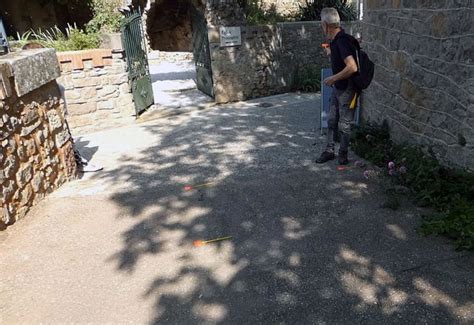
309, 244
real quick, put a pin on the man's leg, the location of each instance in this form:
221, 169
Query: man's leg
347, 98
333, 119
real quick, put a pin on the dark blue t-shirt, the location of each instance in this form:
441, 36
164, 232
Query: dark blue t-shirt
341, 48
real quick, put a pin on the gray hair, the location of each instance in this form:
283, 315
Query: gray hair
330, 16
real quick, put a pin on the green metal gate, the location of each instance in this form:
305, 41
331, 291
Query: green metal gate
134, 44
202, 56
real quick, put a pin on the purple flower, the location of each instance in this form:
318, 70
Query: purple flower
392, 172
403, 170
391, 165
359, 163
366, 174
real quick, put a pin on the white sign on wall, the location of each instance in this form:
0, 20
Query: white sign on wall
230, 36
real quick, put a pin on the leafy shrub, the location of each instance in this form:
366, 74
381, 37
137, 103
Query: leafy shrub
312, 10
256, 15
106, 17
72, 39
448, 191
308, 78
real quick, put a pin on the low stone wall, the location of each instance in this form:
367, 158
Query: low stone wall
36, 153
97, 92
268, 61
423, 83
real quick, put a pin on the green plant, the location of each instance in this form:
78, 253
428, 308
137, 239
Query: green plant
256, 15
106, 17
448, 191
308, 78
312, 10
71, 39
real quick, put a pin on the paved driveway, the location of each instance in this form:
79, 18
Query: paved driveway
310, 244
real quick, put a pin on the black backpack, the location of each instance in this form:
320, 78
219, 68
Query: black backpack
366, 67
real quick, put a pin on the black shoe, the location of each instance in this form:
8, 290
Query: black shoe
325, 157
342, 159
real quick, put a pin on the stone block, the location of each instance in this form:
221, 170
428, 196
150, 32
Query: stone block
26, 196
32, 69
105, 105
87, 82
27, 130
66, 82
81, 109
6, 216
88, 94
78, 74
72, 95
97, 72
11, 164
8, 189
55, 121
61, 138
24, 175
106, 91
125, 88
30, 146
29, 115
118, 79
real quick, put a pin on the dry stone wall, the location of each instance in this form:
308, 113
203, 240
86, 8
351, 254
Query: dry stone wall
269, 61
36, 153
96, 88
424, 79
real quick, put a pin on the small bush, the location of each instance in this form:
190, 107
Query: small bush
73, 39
449, 192
256, 15
106, 17
308, 79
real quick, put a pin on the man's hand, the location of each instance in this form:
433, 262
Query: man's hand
329, 81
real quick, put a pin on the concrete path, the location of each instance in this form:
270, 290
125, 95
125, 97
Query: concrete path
310, 244
174, 84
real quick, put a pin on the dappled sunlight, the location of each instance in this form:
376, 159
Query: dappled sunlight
397, 232
308, 243
436, 298
373, 286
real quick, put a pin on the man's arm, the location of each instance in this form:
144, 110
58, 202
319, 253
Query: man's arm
347, 72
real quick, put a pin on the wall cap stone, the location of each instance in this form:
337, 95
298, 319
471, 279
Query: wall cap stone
30, 70
77, 58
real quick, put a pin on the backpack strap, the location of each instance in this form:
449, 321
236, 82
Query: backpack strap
356, 44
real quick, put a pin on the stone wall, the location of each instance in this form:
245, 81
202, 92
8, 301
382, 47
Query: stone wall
268, 61
424, 79
97, 91
36, 153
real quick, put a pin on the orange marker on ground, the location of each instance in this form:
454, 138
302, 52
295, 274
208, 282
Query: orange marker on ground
191, 187
341, 168
199, 243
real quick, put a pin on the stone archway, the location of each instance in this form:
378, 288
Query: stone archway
168, 23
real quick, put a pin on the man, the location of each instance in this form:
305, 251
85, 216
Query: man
344, 95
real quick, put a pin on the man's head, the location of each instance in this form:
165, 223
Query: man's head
330, 21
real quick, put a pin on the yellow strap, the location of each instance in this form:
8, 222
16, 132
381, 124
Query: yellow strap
353, 102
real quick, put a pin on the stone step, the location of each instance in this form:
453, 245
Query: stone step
160, 56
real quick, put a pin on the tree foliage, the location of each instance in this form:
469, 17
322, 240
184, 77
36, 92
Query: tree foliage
312, 10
